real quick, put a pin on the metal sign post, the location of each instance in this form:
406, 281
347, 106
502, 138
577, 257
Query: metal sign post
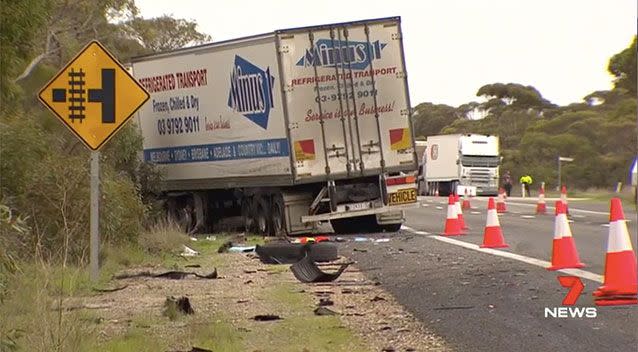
561, 158
94, 96
95, 216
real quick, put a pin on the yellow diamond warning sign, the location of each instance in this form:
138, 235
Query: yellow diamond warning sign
93, 95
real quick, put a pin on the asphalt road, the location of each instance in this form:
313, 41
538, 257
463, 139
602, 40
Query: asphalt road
483, 302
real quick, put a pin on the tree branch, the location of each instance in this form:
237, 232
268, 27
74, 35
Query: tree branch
47, 51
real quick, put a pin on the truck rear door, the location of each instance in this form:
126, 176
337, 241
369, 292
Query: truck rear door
347, 101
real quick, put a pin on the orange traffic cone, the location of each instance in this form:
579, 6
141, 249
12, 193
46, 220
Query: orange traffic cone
564, 253
621, 282
459, 213
563, 198
541, 207
501, 207
466, 202
452, 225
492, 235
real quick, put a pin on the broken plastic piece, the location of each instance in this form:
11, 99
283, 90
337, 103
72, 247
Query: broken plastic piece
307, 270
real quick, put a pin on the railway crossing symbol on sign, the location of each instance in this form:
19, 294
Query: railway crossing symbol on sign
94, 95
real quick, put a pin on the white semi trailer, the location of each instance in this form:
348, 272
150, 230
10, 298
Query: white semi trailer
456, 160
285, 129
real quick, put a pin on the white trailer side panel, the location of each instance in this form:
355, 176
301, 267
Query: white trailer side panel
442, 157
215, 112
347, 99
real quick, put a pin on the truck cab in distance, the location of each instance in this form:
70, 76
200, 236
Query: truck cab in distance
456, 160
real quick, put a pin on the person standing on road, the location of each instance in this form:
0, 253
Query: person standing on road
526, 181
507, 183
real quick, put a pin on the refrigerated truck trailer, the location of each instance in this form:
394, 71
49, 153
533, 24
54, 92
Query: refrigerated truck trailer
454, 160
285, 129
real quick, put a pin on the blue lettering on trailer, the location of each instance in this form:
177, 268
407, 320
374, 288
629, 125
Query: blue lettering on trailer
251, 91
355, 54
267, 148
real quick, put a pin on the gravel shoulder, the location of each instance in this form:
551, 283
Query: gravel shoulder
368, 317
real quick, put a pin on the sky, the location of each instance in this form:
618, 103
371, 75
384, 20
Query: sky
453, 47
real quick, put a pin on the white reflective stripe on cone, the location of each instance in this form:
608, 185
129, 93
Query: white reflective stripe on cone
618, 237
561, 227
492, 218
451, 212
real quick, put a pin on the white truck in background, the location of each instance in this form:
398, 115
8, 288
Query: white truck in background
285, 129
456, 160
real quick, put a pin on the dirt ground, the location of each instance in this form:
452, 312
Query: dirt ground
246, 288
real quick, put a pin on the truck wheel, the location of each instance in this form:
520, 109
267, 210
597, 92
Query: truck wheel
278, 221
246, 214
261, 215
391, 227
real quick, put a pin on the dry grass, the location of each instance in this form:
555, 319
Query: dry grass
164, 237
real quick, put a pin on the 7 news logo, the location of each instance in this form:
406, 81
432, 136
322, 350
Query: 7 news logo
576, 287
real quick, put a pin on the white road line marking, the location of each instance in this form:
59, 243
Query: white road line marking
570, 209
475, 212
528, 216
439, 207
529, 260
408, 228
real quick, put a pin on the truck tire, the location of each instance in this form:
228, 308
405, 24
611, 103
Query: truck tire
289, 253
391, 227
262, 212
277, 216
247, 215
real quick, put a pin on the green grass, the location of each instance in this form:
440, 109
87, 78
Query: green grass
218, 335
595, 195
28, 310
299, 327
136, 339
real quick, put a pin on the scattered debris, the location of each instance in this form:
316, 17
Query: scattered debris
360, 250
211, 238
306, 270
290, 253
249, 271
173, 275
324, 311
388, 349
323, 293
248, 282
316, 239
361, 239
382, 240
189, 252
194, 239
241, 249
194, 349
377, 298
173, 306
110, 289
325, 302
192, 266
81, 306
224, 247
266, 317
243, 300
